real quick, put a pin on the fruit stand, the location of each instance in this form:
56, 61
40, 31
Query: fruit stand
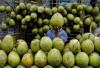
23, 29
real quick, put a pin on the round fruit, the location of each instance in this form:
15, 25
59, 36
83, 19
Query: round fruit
20, 66
48, 66
40, 22
20, 50
81, 23
7, 20
79, 8
40, 59
76, 27
60, 9
7, 66
23, 27
27, 60
46, 44
37, 37
3, 58
97, 19
57, 20
13, 15
33, 15
13, 59
33, 8
76, 20
2, 8
27, 18
89, 9
12, 23
45, 28
3, 27
35, 31
94, 59
54, 57
75, 67
87, 21
45, 21
17, 9
89, 67
54, 10
68, 31
48, 11
74, 46
35, 45
74, 5
78, 37
34, 66
22, 6
8, 9
19, 17
82, 59
68, 59
28, 6
95, 11
87, 46
58, 44
69, 8
24, 12
97, 44
65, 20
23, 22
40, 9
74, 11
88, 36
61, 67
7, 43
93, 25
70, 17
84, 6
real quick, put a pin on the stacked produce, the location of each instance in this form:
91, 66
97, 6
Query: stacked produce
38, 18
47, 53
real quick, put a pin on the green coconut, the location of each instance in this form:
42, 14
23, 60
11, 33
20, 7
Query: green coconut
88, 36
89, 67
46, 44
22, 6
54, 10
7, 43
97, 44
58, 44
82, 59
33, 8
20, 66
68, 59
35, 45
4, 27
7, 66
87, 46
87, 21
3, 58
48, 66
22, 48
70, 17
94, 59
75, 67
57, 20
40, 59
54, 57
34, 66
74, 46
13, 59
